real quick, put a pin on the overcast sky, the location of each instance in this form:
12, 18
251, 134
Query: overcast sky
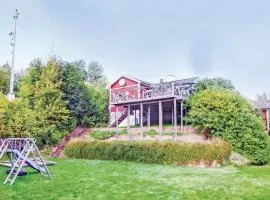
147, 39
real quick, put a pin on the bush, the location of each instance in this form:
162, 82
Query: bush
101, 135
225, 114
151, 132
151, 152
123, 132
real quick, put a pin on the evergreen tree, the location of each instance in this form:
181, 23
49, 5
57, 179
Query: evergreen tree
29, 80
73, 86
51, 113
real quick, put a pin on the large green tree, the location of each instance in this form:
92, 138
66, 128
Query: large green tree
224, 113
216, 82
28, 81
51, 113
95, 73
73, 86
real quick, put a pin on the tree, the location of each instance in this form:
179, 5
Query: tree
51, 113
18, 119
224, 113
217, 82
73, 76
28, 81
4, 78
3, 108
95, 72
97, 96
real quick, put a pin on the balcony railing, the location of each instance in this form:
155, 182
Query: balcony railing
177, 89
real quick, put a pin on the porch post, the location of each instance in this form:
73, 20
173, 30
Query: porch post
148, 117
128, 121
175, 117
160, 117
172, 115
141, 121
181, 104
116, 121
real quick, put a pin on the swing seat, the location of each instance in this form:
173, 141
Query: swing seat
21, 173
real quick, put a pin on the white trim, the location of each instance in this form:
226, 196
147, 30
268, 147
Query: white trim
139, 89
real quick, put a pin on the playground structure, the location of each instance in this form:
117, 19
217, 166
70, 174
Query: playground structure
22, 152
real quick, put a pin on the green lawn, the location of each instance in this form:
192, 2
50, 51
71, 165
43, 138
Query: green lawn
84, 179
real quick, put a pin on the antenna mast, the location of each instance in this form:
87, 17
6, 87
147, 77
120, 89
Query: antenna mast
11, 95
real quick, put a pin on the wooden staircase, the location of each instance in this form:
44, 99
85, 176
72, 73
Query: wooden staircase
122, 116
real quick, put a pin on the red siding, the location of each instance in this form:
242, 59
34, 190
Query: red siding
117, 108
130, 90
129, 82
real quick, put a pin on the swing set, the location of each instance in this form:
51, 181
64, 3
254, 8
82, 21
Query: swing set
22, 152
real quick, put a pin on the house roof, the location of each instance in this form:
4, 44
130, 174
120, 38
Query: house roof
261, 104
138, 80
130, 78
180, 81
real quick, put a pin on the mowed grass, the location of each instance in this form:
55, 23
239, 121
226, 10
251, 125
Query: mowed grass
85, 179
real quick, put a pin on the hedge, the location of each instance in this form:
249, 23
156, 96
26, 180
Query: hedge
151, 152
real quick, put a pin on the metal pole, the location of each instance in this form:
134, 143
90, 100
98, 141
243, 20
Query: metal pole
11, 95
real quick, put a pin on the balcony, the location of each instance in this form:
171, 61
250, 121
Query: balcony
179, 89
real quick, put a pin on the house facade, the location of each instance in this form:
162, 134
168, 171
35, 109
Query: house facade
264, 107
134, 102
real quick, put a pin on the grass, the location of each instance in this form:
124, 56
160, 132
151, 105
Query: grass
85, 179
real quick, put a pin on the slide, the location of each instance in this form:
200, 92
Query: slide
29, 162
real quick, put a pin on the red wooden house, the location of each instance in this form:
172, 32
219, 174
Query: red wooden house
137, 102
264, 107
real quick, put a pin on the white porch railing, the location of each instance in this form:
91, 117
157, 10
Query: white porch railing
180, 89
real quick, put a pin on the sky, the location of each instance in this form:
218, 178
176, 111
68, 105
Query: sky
147, 39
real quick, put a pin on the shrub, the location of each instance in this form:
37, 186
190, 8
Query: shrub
150, 152
225, 114
123, 132
101, 135
151, 132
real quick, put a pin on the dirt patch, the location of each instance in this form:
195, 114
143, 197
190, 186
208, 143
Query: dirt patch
57, 151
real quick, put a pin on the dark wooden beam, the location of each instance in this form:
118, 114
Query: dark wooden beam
160, 117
